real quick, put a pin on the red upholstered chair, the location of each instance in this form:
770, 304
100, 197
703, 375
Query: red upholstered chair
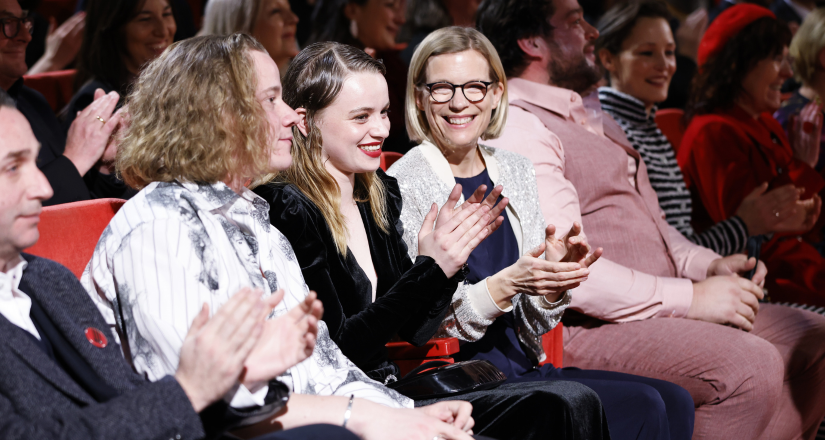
388, 158
57, 87
69, 232
670, 121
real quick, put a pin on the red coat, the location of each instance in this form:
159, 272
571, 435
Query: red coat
724, 156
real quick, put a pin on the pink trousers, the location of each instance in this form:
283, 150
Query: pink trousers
768, 384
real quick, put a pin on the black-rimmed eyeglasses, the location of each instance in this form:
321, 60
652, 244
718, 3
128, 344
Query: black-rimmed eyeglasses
474, 91
11, 25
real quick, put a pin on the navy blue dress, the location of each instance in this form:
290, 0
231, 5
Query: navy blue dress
636, 407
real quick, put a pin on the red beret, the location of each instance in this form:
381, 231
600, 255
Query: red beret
727, 25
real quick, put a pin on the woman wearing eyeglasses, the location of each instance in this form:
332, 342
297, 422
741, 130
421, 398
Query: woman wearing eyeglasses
520, 275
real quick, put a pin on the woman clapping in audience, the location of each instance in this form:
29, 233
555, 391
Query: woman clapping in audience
520, 278
205, 118
733, 145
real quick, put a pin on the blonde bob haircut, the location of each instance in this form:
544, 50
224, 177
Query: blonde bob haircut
313, 81
224, 17
193, 116
452, 39
807, 44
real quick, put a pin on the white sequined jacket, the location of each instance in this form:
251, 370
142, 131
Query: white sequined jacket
424, 177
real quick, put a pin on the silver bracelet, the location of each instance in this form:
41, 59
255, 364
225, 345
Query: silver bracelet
349, 411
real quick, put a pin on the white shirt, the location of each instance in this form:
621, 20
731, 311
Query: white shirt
173, 247
14, 304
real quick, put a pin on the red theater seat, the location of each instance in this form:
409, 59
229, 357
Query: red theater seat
57, 87
69, 232
388, 158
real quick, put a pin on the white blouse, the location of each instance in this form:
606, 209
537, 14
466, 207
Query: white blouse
175, 246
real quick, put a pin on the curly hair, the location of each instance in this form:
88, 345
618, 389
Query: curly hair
313, 80
504, 22
718, 83
193, 115
807, 44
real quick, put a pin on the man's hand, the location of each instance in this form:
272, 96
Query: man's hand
214, 351
286, 340
88, 135
573, 248
728, 300
738, 264
62, 44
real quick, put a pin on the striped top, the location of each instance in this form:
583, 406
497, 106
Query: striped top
726, 237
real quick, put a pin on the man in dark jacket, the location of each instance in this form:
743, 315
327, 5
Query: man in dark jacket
64, 375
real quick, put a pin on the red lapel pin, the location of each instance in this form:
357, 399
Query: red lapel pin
96, 337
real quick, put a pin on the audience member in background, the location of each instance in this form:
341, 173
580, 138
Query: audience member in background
343, 219
184, 17
372, 25
808, 54
63, 377
743, 383
637, 49
733, 144
271, 22
121, 37
52, 47
68, 160
195, 233
457, 94
425, 16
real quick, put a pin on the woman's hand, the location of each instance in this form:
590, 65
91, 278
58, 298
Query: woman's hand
573, 248
449, 236
768, 212
91, 131
803, 217
455, 412
286, 340
62, 44
371, 421
806, 132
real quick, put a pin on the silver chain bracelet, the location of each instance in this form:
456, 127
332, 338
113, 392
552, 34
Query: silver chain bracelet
348, 411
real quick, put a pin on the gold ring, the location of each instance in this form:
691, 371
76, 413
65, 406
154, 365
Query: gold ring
101, 119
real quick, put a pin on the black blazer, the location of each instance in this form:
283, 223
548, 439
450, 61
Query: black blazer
39, 400
411, 297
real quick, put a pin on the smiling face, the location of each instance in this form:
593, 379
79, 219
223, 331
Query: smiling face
275, 29
12, 50
377, 21
458, 123
354, 126
281, 117
762, 85
24, 186
148, 33
644, 67
572, 58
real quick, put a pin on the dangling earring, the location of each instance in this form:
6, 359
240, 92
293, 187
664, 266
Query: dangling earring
353, 29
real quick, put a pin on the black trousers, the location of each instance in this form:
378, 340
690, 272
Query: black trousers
536, 410
312, 432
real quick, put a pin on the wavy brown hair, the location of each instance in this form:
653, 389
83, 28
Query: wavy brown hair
313, 81
718, 83
193, 116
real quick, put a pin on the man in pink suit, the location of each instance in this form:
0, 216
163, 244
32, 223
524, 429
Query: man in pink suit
654, 303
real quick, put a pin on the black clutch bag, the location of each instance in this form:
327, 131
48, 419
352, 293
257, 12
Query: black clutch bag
439, 379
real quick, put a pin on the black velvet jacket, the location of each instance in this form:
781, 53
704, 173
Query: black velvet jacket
411, 297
